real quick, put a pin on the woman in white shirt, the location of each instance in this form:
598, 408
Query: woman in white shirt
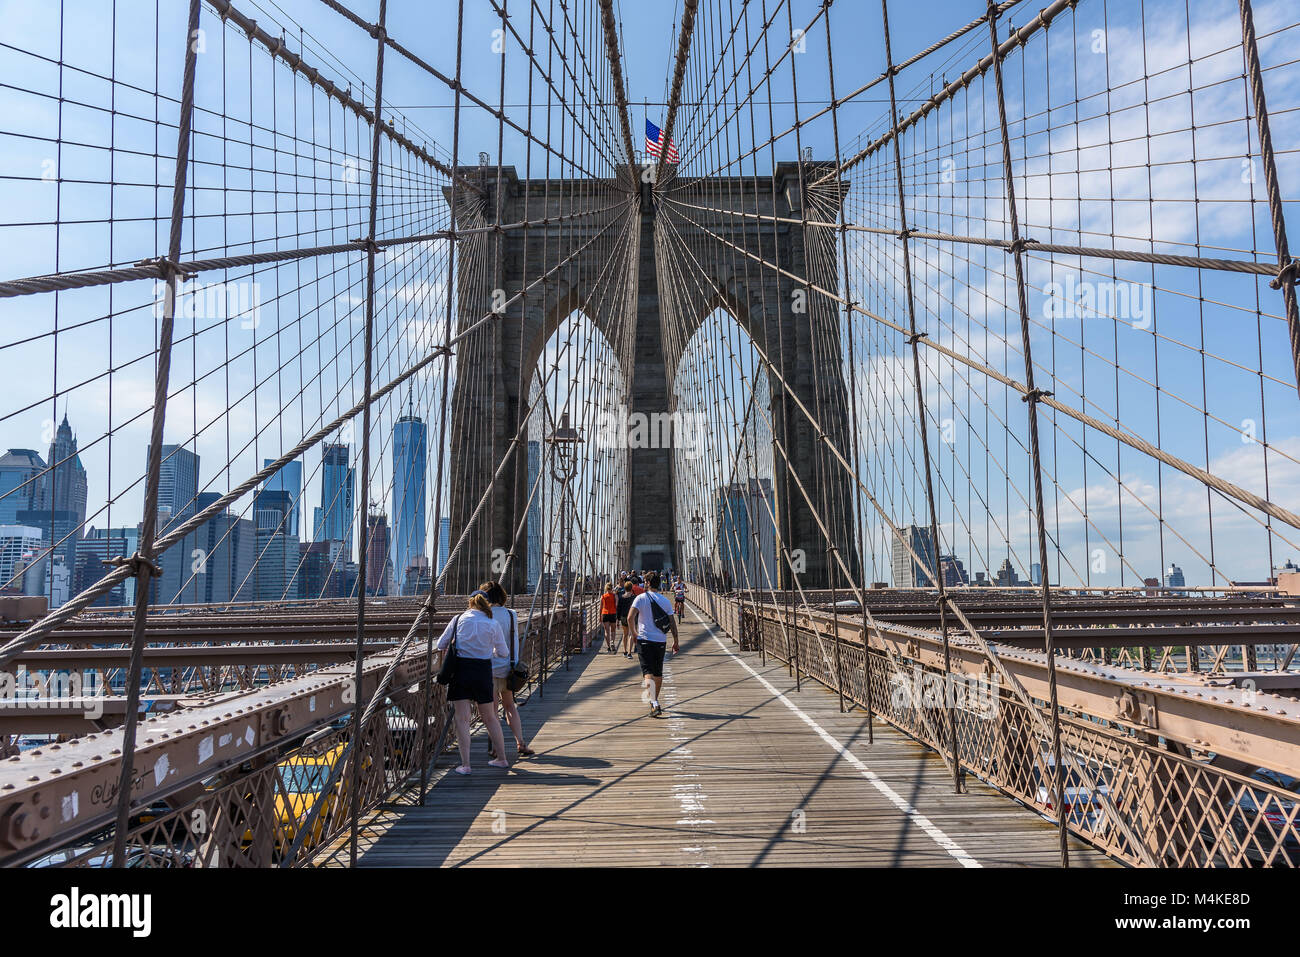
478, 638
501, 665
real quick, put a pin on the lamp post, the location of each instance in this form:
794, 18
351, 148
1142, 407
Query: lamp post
564, 462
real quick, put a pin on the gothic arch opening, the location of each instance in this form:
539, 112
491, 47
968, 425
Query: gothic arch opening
576, 489
725, 504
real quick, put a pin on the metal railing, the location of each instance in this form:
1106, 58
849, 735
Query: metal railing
1145, 798
286, 805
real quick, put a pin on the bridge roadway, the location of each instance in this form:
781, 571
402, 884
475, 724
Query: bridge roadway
739, 771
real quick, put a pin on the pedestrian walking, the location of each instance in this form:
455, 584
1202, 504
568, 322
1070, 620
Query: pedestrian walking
609, 616
625, 596
652, 618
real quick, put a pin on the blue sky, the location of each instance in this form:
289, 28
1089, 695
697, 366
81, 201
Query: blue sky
54, 163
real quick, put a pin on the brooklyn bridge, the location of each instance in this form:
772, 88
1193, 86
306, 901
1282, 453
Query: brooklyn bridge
940, 364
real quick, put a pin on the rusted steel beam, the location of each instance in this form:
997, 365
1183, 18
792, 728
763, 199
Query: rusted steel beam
80, 715
1154, 636
297, 653
56, 793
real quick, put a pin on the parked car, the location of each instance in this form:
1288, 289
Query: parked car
136, 856
1259, 821
1084, 807
301, 780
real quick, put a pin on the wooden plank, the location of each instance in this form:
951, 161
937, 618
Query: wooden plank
730, 775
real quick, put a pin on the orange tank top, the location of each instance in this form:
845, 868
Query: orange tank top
608, 603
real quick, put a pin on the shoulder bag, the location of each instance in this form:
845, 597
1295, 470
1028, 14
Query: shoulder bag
517, 676
449, 657
663, 619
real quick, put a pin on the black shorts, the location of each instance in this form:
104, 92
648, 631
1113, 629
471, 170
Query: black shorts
651, 654
472, 681
608, 618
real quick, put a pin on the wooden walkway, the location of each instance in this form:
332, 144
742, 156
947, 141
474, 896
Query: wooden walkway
740, 770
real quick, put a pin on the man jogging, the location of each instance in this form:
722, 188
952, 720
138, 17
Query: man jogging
679, 596
651, 618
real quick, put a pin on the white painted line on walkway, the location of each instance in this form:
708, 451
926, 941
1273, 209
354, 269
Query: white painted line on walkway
915, 816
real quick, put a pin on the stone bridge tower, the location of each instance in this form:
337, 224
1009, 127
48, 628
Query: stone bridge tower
804, 343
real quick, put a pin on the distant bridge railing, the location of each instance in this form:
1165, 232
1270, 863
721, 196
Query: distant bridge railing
254, 777
1159, 773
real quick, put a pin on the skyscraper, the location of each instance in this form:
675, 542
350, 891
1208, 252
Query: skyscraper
333, 519
907, 572
288, 479
952, 570
741, 512
323, 572
379, 566
444, 544
18, 471
129, 537
1007, 576
93, 552
227, 546
1174, 577
275, 572
19, 545
58, 505
178, 481
410, 436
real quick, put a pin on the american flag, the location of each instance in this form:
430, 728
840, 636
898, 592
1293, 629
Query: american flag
654, 141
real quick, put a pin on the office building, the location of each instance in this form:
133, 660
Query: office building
58, 504
1006, 576
322, 575
444, 544
289, 481
952, 570
178, 481
275, 572
20, 547
410, 437
334, 518
746, 534
379, 567
226, 547
907, 572
19, 469
93, 553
